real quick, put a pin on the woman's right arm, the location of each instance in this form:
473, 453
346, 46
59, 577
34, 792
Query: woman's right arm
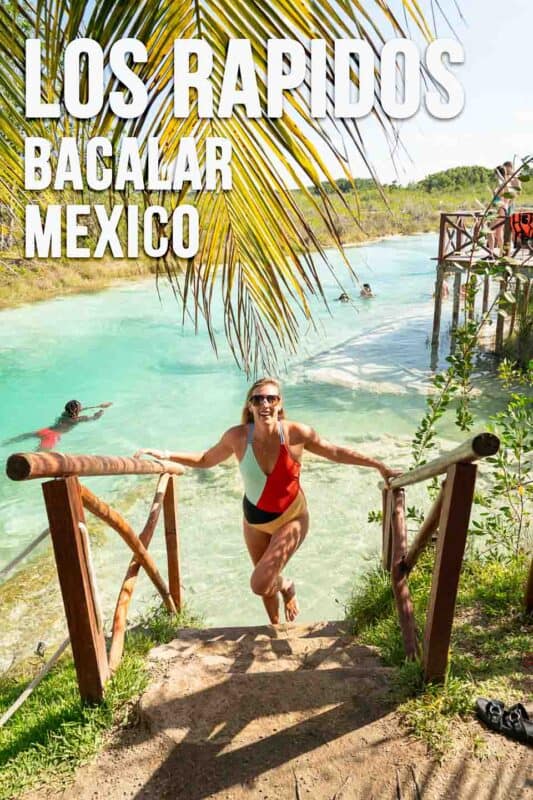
209, 458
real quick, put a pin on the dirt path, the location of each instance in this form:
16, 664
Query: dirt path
299, 712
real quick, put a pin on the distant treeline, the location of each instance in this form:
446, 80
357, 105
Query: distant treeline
446, 181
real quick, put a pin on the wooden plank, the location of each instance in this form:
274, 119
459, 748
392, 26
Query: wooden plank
107, 514
453, 528
120, 617
386, 529
67, 529
400, 588
427, 529
170, 511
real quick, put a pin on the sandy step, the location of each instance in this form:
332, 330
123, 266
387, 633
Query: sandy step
227, 688
264, 654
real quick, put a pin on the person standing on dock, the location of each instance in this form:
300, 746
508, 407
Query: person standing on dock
70, 417
503, 201
269, 450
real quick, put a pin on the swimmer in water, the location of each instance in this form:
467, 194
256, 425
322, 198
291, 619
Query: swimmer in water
343, 298
366, 291
49, 437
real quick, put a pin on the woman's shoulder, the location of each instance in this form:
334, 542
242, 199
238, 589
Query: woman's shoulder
235, 432
298, 431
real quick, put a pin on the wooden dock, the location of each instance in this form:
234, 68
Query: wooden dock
465, 253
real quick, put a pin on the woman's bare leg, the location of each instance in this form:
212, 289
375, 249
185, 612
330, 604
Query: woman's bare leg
266, 578
257, 543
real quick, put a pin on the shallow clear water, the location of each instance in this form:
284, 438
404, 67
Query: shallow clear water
359, 380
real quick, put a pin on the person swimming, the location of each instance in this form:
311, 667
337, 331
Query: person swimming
269, 449
69, 418
366, 291
343, 298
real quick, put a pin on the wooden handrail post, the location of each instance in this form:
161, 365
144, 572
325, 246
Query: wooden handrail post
453, 527
529, 590
71, 547
170, 512
399, 577
386, 540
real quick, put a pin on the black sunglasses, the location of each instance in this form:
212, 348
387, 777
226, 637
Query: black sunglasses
259, 399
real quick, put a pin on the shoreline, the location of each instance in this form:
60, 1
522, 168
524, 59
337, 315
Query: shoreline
24, 282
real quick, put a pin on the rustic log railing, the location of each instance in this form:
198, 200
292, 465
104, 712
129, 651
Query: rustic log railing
449, 516
65, 500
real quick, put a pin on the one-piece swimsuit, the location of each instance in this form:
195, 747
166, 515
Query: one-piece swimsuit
271, 500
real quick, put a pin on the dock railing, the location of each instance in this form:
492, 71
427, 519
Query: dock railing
448, 518
65, 500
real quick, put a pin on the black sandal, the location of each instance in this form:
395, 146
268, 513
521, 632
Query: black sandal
517, 725
490, 712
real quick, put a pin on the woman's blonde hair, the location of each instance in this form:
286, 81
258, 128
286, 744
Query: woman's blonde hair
247, 415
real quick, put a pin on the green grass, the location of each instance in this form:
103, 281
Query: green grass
25, 281
490, 641
53, 733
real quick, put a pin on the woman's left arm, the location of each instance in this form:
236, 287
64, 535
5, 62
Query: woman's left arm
341, 455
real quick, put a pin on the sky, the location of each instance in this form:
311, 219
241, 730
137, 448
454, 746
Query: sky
496, 123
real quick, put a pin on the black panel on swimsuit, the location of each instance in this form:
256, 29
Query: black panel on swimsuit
256, 516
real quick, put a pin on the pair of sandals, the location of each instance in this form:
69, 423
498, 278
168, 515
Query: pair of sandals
513, 722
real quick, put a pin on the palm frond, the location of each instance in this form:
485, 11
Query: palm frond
256, 238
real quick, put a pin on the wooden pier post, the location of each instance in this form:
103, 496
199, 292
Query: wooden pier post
437, 313
453, 528
500, 321
507, 236
438, 294
472, 284
71, 547
486, 290
516, 304
456, 298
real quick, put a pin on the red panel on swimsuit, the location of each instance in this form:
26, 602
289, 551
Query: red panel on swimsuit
283, 483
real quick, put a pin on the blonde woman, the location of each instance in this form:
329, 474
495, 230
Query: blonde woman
269, 450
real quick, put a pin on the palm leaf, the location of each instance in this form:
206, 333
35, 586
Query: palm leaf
255, 238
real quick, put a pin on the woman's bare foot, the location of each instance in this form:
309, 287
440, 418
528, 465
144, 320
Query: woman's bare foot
292, 609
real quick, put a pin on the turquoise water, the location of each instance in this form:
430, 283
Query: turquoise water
359, 380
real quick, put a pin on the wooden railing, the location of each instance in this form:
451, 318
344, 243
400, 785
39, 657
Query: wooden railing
463, 250
460, 238
449, 517
65, 500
